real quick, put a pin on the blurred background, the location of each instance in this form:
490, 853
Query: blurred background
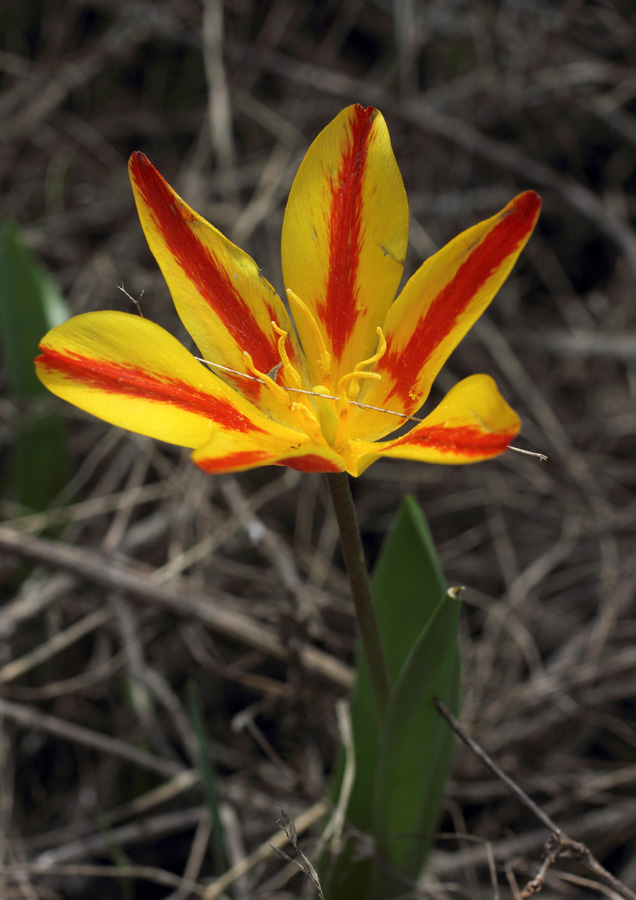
151, 612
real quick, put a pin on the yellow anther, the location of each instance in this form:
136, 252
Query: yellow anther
279, 392
290, 371
311, 335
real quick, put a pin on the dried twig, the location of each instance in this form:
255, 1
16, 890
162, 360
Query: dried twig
558, 843
300, 860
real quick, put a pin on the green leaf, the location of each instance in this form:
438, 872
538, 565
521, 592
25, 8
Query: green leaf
408, 590
417, 744
407, 586
30, 304
38, 466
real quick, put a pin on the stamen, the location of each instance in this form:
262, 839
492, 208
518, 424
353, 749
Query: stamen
377, 356
279, 392
290, 370
389, 412
307, 414
354, 376
313, 341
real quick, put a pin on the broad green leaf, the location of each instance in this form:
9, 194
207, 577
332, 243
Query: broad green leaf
408, 585
417, 744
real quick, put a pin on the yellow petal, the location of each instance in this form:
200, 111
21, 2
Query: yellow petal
472, 423
132, 373
345, 234
438, 305
235, 452
222, 299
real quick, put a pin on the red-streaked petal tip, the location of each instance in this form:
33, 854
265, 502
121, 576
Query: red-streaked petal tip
365, 110
144, 174
525, 207
139, 160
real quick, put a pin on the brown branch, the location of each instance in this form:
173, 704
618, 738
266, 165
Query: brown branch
558, 843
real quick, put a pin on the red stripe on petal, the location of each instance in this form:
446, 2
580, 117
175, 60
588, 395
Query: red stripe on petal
339, 310
404, 365
467, 440
309, 463
133, 381
201, 266
241, 459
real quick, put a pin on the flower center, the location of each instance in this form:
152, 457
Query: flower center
334, 406
349, 389
325, 411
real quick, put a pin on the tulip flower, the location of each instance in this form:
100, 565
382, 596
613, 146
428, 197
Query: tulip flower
324, 392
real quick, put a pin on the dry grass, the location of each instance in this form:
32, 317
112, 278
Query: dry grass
161, 577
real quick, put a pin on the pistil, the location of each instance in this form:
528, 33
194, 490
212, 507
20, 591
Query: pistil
326, 414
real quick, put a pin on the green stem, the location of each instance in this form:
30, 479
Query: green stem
360, 588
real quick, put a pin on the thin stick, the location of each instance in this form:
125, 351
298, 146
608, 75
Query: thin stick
389, 412
454, 723
293, 390
360, 588
541, 456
